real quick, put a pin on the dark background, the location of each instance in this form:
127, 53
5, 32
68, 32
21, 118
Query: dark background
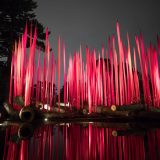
90, 22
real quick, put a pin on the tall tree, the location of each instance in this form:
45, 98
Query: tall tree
14, 15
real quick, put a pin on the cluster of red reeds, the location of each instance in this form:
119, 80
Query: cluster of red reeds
110, 78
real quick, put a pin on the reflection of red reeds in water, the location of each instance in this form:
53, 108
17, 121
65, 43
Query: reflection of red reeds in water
72, 142
98, 143
39, 147
110, 78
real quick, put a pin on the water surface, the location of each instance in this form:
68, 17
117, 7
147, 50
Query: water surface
80, 141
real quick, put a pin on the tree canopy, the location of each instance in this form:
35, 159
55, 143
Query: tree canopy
14, 15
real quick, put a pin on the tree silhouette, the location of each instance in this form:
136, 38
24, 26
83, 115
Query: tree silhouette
14, 15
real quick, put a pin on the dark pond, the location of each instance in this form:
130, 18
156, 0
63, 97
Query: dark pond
80, 141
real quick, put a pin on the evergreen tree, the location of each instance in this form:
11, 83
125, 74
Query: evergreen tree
14, 15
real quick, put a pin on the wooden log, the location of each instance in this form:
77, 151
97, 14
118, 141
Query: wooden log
95, 109
154, 109
11, 112
129, 132
53, 115
145, 125
112, 125
147, 115
25, 131
132, 107
27, 114
7, 123
104, 110
84, 111
115, 113
59, 110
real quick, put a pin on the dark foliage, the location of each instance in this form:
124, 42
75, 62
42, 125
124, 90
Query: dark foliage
14, 15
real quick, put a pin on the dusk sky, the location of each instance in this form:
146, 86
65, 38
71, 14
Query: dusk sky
90, 22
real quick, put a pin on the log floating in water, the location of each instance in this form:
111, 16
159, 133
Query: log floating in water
58, 110
115, 113
25, 131
124, 110
147, 115
13, 113
112, 125
28, 114
128, 132
154, 109
133, 107
105, 111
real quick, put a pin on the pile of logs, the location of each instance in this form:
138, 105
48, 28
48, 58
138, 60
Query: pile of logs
101, 113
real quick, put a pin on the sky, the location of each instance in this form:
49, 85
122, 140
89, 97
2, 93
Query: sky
91, 22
